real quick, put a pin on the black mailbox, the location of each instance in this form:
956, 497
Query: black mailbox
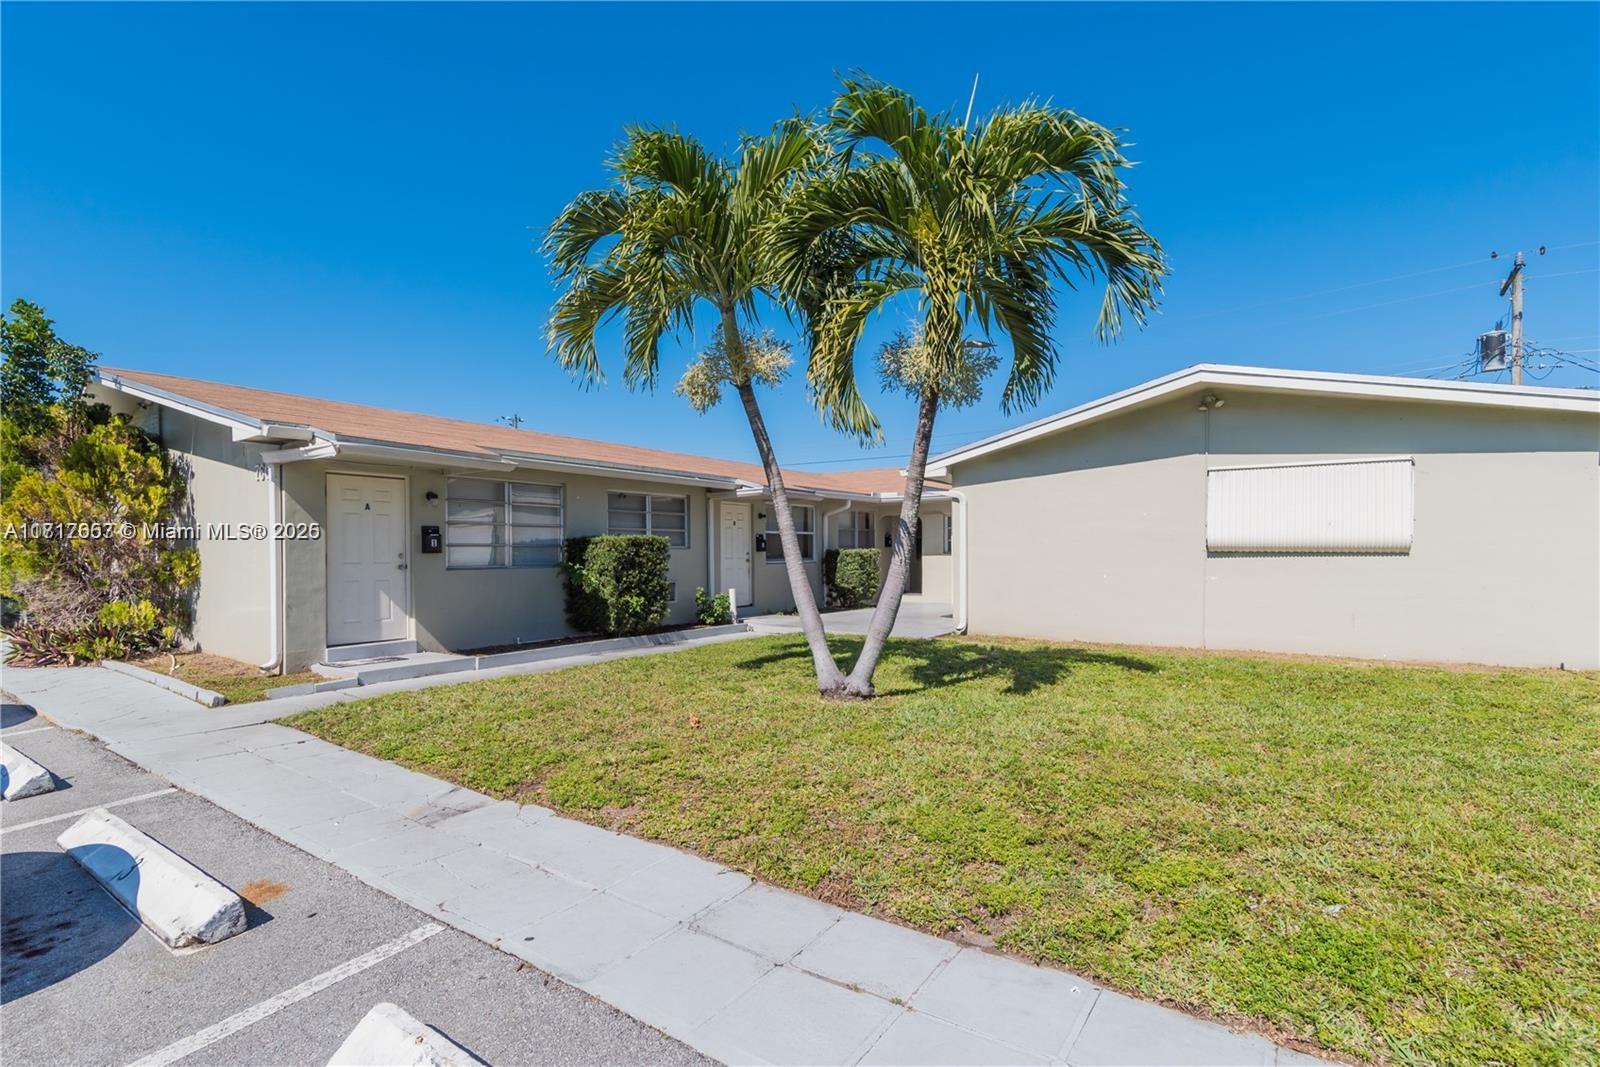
431, 541
761, 542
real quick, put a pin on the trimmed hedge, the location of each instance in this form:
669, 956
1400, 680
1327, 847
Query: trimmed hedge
616, 584
851, 575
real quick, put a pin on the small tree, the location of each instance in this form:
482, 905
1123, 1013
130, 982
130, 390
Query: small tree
982, 224
677, 228
87, 502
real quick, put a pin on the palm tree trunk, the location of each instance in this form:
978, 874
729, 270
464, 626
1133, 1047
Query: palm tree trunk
830, 679
859, 684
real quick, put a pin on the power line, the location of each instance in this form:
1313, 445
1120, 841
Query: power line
1362, 285
1325, 292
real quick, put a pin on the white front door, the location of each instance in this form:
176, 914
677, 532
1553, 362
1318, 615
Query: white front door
368, 595
734, 573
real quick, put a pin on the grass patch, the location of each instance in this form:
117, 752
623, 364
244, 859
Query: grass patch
240, 682
1395, 863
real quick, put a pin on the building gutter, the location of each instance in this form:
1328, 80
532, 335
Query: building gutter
711, 557
274, 661
826, 515
961, 561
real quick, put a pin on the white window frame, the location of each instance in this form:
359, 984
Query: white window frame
501, 538
848, 531
808, 538
1358, 506
649, 516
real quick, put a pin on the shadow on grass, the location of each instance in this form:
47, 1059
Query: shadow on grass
935, 664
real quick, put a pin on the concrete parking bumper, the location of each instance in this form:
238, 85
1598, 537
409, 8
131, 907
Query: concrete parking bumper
176, 900
388, 1037
20, 776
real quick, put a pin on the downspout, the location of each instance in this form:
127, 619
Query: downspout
274, 660
711, 574
822, 577
961, 563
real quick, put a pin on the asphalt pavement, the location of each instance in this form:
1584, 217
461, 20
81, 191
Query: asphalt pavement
81, 982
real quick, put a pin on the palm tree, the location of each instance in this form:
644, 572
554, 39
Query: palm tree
677, 228
979, 223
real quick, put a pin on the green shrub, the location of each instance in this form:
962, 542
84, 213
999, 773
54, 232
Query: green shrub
851, 575
120, 630
120, 584
712, 610
616, 584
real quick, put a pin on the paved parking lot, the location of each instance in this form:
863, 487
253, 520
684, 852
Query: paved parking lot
82, 982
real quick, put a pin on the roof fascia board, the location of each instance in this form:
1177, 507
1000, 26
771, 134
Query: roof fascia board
316, 450
275, 431
750, 489
1391, 388
540, 461
236, 422
427, 457
1146, 392
1277, 380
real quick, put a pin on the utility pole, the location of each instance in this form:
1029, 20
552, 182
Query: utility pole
1514, 283
515, 421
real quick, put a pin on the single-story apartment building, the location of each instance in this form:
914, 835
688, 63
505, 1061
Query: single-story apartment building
398, 531
1293, 511
1217, 507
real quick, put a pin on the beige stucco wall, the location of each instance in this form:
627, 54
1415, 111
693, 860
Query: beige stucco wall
1098, 533
453, 609
461, 608
226, 486
938, 567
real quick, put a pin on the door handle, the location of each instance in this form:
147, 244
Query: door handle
400, 566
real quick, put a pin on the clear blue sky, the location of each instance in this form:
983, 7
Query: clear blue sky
346, 200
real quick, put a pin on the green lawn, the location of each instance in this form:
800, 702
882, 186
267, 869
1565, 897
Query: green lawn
1395, 863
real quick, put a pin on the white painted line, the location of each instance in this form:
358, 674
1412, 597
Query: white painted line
29, 730
267, 1008
84, 811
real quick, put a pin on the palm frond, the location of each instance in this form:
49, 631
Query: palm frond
1018, 147
594, 295
590, 218
834, 334
672, 160
769, 164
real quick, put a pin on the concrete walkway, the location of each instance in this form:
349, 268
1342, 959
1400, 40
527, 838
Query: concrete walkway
739, 970
916, 618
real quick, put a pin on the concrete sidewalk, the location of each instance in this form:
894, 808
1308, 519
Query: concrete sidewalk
86, 984
916, 618
743, 972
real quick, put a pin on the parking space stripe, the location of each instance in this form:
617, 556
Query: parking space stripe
84, 811
29, 730
293, 995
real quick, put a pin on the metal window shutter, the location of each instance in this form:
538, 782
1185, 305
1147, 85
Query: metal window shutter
1339, 506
